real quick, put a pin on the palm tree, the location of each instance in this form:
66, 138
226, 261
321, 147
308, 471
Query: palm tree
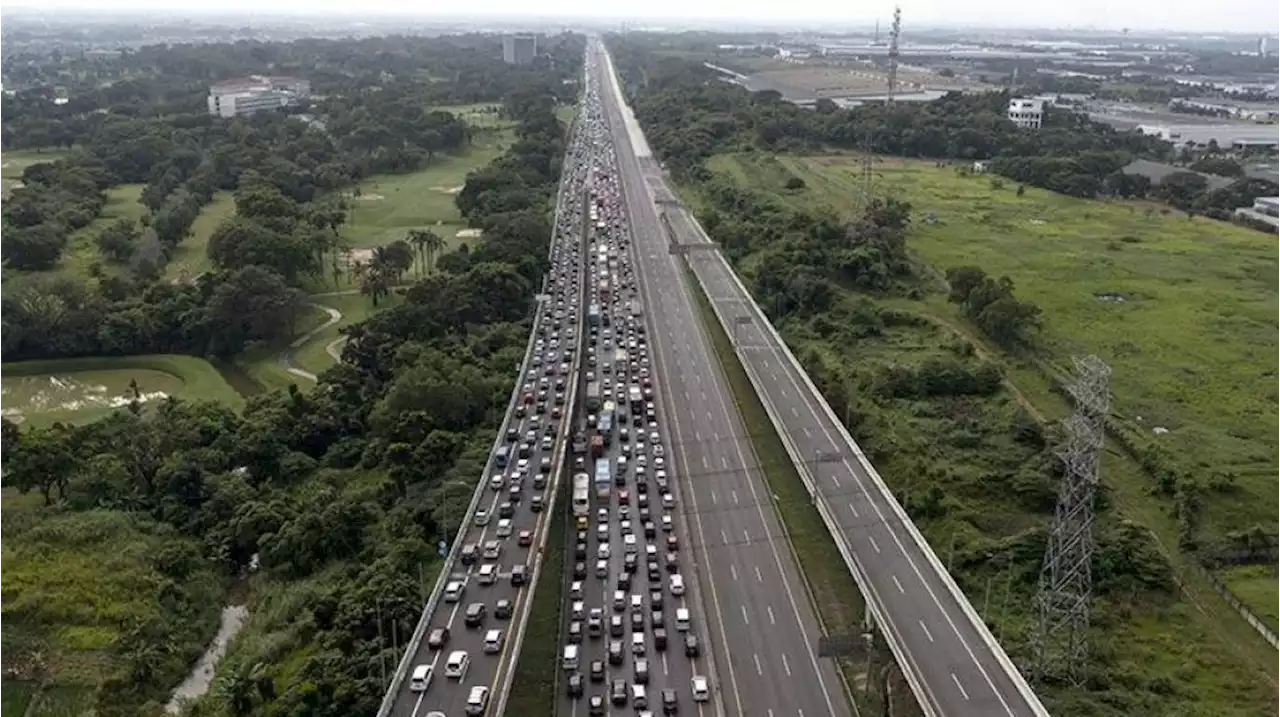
434, 244
418, 238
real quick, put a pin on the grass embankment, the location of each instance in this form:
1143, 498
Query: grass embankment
80, 390
263, 369
14, 162
191, 258
972, 472
534, 687
830, 587
76, 584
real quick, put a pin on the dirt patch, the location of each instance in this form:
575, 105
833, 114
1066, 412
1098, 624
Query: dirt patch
448, 190
468, 233
369, 198
358, 256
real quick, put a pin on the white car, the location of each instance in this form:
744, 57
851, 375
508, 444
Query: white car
453, 590
677, 584
629, 542
701, 689
602, 551
482, 517
504, 528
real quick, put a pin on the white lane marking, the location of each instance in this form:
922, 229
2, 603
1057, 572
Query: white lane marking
774, 376
760, 670
926, 630
898, 584
786, 665
835, 479
873, 543
734, 494
854, 511
769, 609
724, 462
724, 537
794, 412
807, 432
704, 398
959, 686
733, 571
697, 435
759, 577
705, 465
746, 538
665, 671
745, 618
713, 497
418, 703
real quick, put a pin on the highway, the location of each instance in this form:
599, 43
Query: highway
524, 469
953, 663
618, 359
763, 628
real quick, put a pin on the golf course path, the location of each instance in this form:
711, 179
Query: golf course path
286, 357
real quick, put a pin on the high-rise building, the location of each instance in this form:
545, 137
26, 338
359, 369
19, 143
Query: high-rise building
1026, 113
519, 49
1263, 43
245, 96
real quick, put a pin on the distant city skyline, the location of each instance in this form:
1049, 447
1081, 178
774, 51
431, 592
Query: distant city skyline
1257, 17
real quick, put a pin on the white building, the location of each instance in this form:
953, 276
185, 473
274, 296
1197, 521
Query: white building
519, 49
1026, 113
243, 97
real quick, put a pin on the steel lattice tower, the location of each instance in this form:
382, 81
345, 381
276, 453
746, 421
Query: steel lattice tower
1066, 578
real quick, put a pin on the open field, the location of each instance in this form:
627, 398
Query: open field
79, 390
14, 162
65, 627
1216, 330
845, 80
484, 115
1255, 586
313, 355
261, 369
190, 259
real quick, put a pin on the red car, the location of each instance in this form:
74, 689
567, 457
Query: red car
624, 498
525, 539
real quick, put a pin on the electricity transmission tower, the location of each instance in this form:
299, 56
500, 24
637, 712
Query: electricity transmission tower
1066, 577
868, 156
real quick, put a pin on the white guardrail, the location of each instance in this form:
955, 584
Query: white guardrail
411, 647
874, 602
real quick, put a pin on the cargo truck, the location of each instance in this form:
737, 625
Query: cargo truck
593, 396
604, 477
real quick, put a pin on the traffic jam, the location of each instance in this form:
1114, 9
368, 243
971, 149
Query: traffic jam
496, 555
629, 642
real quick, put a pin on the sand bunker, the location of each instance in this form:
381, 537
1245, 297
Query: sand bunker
448, 190
369, 198
468, 233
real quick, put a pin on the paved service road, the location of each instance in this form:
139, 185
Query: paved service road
525, 470
635, 602
960, 668
763, 626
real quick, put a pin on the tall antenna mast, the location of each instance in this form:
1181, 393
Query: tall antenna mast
868, 158
893, 53
1066, 578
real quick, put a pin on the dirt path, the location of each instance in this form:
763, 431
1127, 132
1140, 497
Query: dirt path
286, 357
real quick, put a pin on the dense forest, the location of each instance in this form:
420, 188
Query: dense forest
334, 498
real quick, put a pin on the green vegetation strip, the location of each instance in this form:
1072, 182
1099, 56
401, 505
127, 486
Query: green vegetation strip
533, 690
830, 587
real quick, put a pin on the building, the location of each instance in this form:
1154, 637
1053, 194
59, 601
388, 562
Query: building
1026, 113
519, 49
1265, 210
247, 95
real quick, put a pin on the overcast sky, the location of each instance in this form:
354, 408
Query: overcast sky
1252, 16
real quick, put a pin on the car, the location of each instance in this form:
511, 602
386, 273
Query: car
677, 584
673, 543
667, 524
468, 555
673, 562
454, 589
670, 703
618, 692
595, 706
660, 638
602, 553
597, 671
637, 621
575, 632
575, 685
455, 668
514, 493
421, 678
475, 614
536, 503
525, 539
701, 689
502, 609
624, 497
438, 638
477, 701
497, 481
504, 528
492, 550
506, 510
482, 517
691, 646
492, 642
575, 590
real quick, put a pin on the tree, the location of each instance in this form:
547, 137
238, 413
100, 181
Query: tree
117, 241
43, 461
34, 248
240, 242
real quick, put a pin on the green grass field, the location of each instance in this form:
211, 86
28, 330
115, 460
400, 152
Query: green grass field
15, 697
80, 390
1255, 586
1180, 275
312, 355
190, 259
14, 162
72, 582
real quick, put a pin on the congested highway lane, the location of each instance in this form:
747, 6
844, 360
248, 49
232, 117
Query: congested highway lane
499, 551
634, 631
768, 631
960, 668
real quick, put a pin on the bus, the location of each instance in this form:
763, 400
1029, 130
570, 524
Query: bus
581, 494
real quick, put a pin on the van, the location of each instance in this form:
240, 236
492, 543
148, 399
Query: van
570, 659
682, 619
421, 678
455, 667
500, 458
518, 573
477, 701
488, 573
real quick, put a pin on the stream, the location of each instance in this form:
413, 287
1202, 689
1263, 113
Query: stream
197, 683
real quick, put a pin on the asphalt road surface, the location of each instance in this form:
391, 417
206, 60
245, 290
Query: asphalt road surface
552, 359
764, 628
669, 667
962, 670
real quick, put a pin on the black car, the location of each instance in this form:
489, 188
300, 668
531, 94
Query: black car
597, 671
575, 685
475, 614
579, 570
502, 610
506, 510
670, 704
660, 638
637, 622
691, 647
618, 692
535, 503
438, 638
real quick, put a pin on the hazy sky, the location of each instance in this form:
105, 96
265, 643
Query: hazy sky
1253, 16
